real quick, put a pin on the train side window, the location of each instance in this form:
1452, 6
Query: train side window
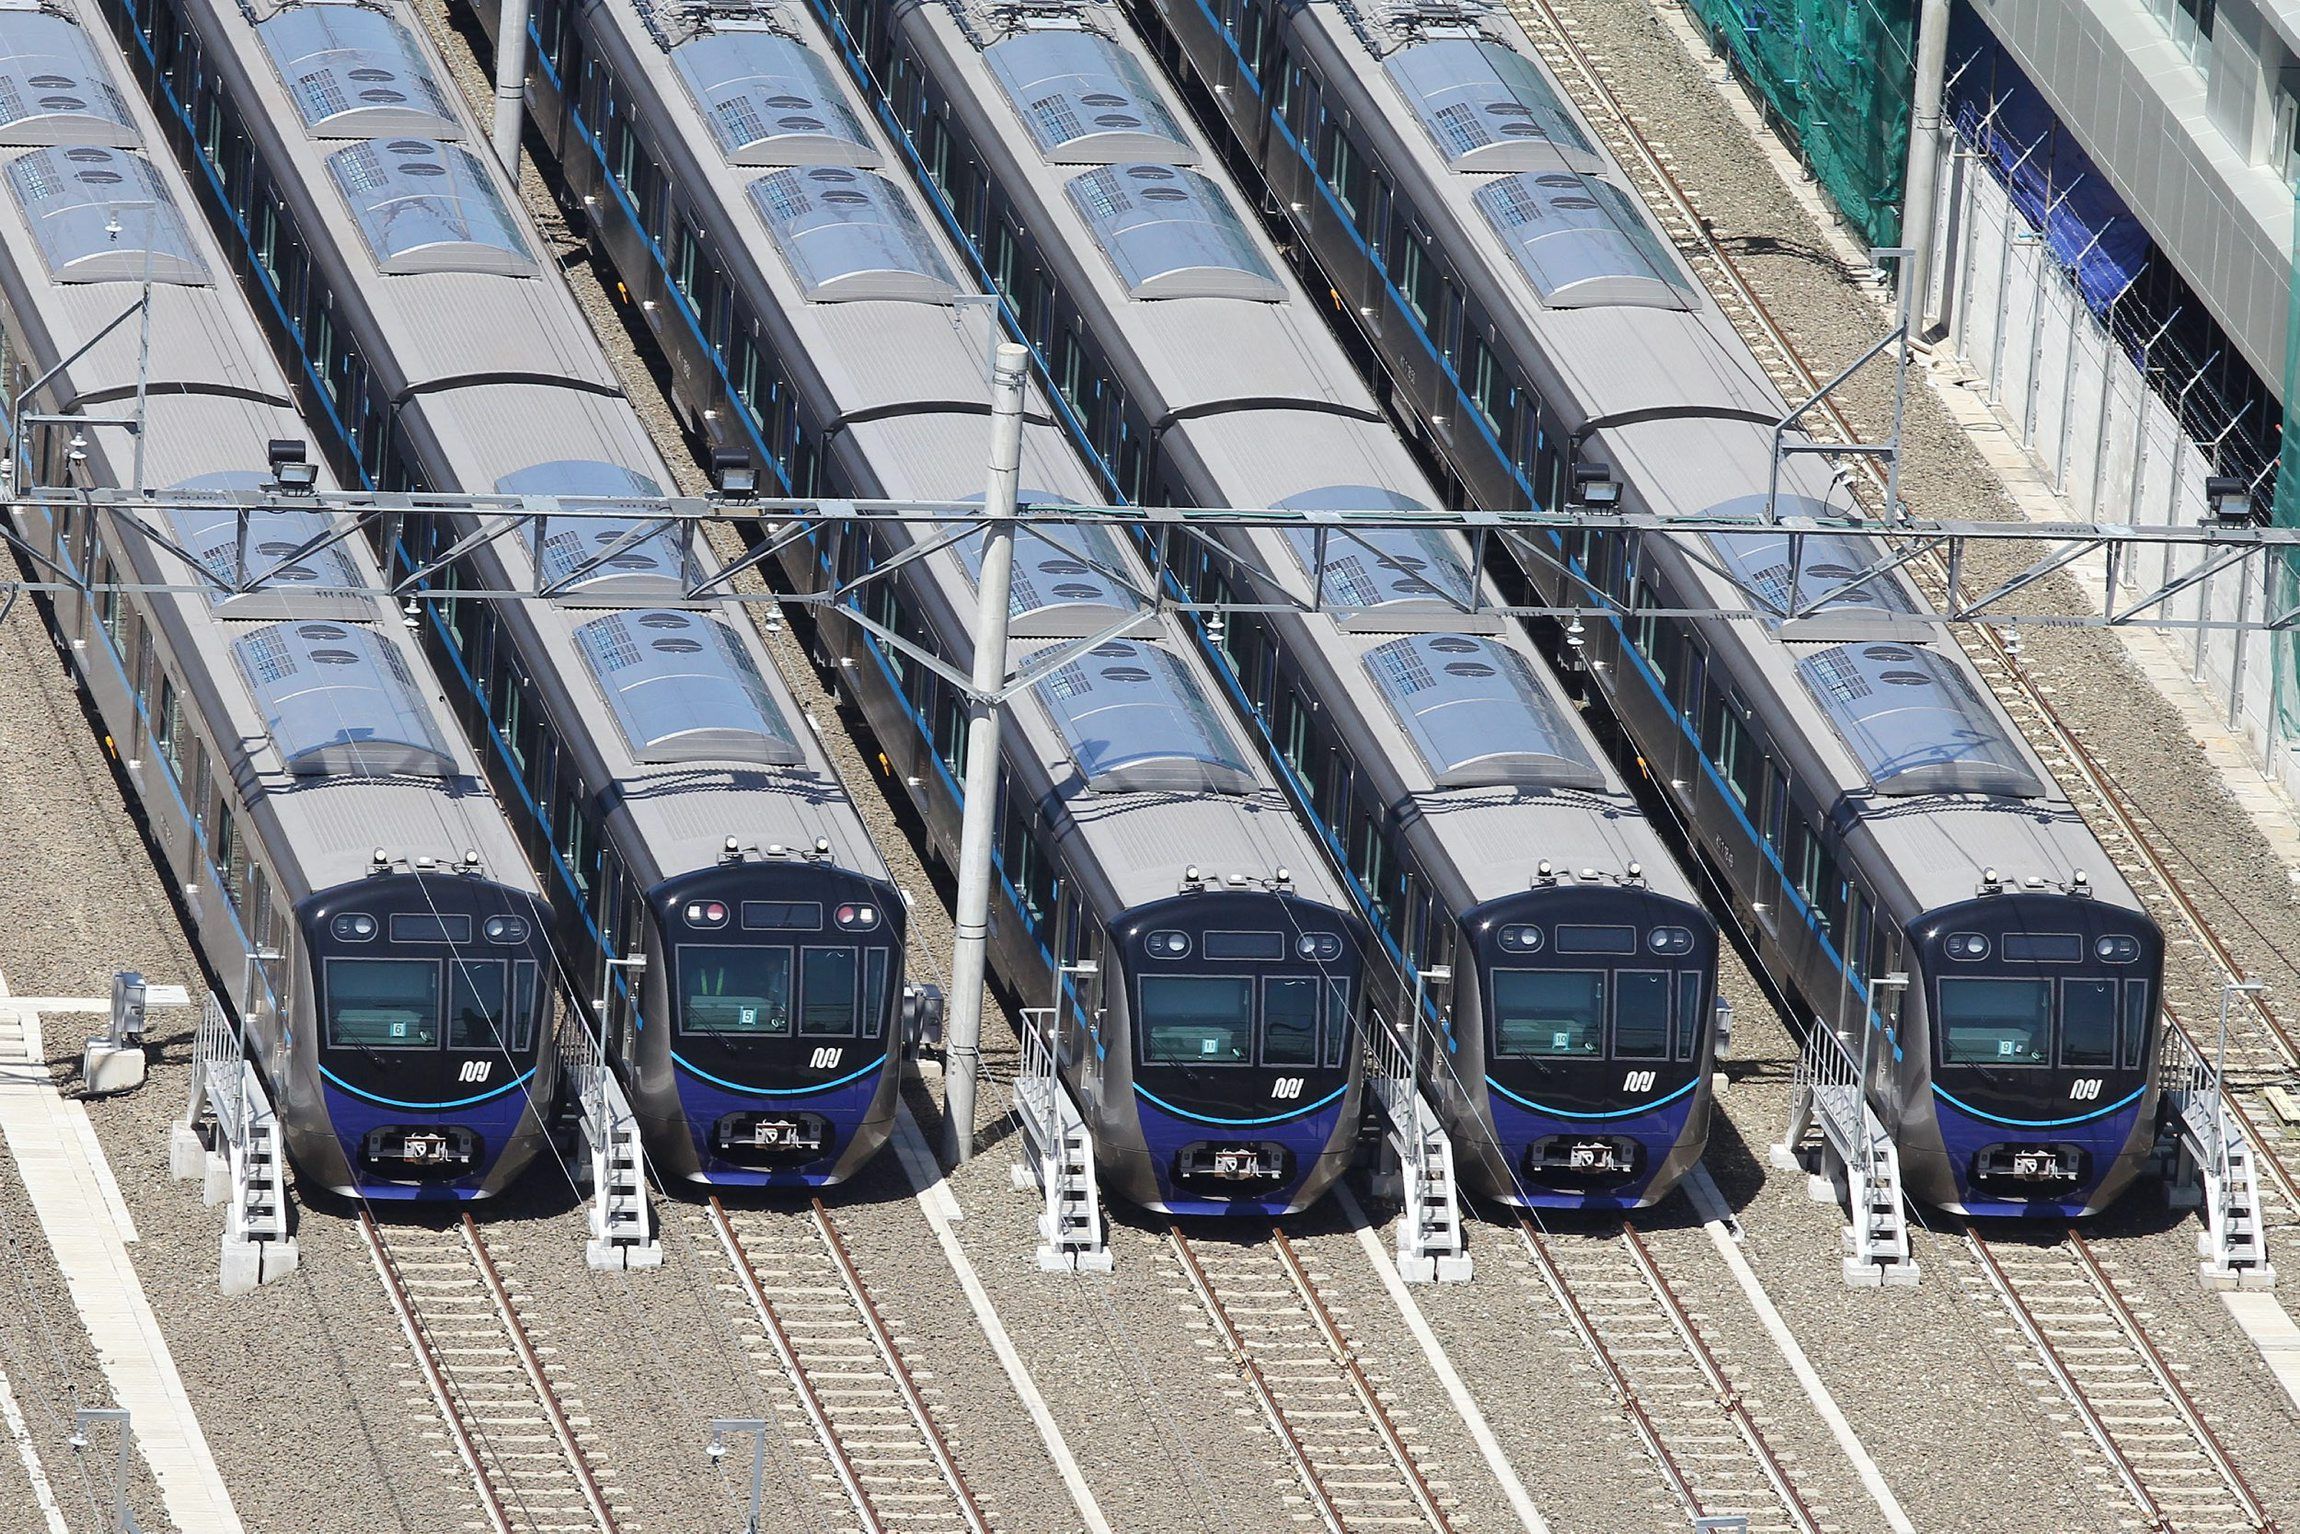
200, 788
1730, 748
1854, 935
167, 728
1645, 631
1776, 808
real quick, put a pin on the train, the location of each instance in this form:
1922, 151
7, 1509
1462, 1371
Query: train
1837, 758
1203, 968
359, 898
732, 932
1485, 834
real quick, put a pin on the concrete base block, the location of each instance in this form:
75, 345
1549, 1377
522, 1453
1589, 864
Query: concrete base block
106, 1069
1436, 1270
250, 1264
187, 1153
608, 1255
216, 1179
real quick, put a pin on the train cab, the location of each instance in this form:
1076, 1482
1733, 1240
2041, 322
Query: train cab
2040, 1010
766, 1049
1584, 1028
1238, 1032
433, 997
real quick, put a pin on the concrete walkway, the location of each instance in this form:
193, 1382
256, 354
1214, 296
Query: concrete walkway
89, 1229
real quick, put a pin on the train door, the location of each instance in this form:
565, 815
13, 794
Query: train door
1772, 830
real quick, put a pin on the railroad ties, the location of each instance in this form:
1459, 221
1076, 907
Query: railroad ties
2128, 1398
1354, 1463
823, 1338
1671, 1387
516, 1440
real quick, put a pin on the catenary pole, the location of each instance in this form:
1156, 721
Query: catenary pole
1920, 191
510, 83
967, 960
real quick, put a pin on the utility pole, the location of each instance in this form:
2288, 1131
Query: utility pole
1921, 190
1009, 372
510, 84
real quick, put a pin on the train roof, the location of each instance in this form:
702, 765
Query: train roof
1139, 752
318, 705
680, 706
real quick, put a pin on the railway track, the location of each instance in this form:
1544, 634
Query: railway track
840, 1360
1671, 1387
526, 1456
2125, 1394
1354, 1463
2264, 1050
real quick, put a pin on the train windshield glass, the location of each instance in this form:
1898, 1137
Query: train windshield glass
828, 996
737, 992
383, 1003
1996, 1022
478, 1016
1555, 1013
1196, 1020
2088, 1023
1290, 1021
1641, 1015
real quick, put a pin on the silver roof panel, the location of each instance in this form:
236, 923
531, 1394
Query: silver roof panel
339, 702
1914, 721
53, 88
1085, 100
683, 689
653, 568
1583, 242
1826, 563
1134, 720
769, 101
104, 215
850, 235
1487, 108
1477, 715
427, 206
1172, 233
298, 590
1062, 585
354, 72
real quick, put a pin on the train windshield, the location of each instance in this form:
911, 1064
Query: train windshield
1569, 1014
479, 1013
2014, 1022
383, 1003
1212, 1020
771, 992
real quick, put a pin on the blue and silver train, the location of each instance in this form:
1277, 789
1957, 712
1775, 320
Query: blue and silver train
1841, 765
1482, 832
1205, 971
358, 897
717, 898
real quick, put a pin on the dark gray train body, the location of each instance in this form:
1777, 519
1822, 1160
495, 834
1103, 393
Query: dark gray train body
808, 311
1845, 773
359, 896
665, 783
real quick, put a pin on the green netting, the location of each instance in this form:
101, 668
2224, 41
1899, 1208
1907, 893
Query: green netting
1837, 78
2284, 648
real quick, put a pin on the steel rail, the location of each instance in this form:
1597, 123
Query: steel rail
899, 1370
812, 1403
1392, 1439
1728, 1397
529, 1360
2174, 1391
1320, 1499
427, 1359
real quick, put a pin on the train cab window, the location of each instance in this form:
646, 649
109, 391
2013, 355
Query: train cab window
1548, 1013
1688, 1014
382, 1003
1995, 1022
828, 992
2139, 1012
2088, 1023
476, 1013
1197, 1020
874, 993
735, 992
1641, 1014
1290, 1021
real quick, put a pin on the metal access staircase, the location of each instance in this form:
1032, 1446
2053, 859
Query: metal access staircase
1058, 1155
2213, 1168
1419, 1156
230, 1139
1856, 1155
624, 1233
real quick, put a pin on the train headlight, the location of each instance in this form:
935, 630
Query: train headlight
1968, 945
1670, 940
706, 913
505, 929
357, 927
1169, 945
2118, 949
855, 917
1521, 939
1322, 947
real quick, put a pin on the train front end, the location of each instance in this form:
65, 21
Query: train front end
1235, 1020
767, 1053
2038, 1096
1576, 1068
431, 998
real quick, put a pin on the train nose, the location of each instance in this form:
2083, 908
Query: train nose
772, 1139
421, 1152
1233, 1168
1583, 1160
2030, 1169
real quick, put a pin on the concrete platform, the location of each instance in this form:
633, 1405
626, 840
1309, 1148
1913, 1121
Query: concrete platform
89, 1230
